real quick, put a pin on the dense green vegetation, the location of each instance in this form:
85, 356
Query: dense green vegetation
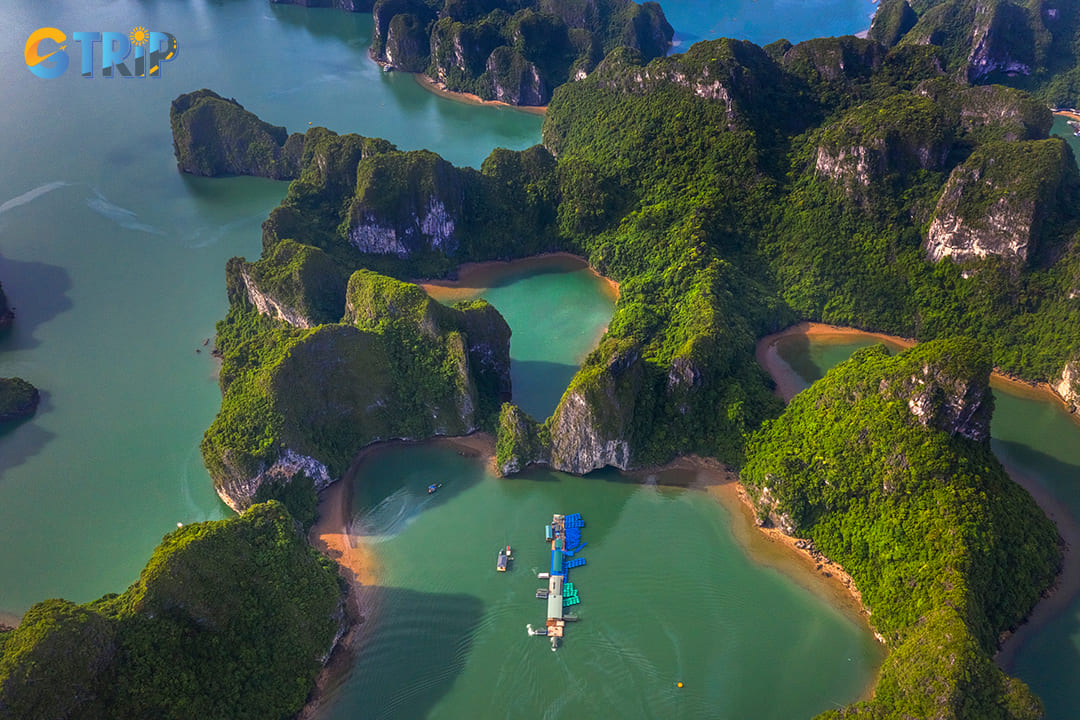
229, 620
214, 136
875, 464
398, 365
515, 52
730, 190
1030, 45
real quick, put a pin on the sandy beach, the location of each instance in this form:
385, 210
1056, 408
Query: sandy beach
768, 546
1068, 114
471, 279
1067, 585
787, 382
469, 98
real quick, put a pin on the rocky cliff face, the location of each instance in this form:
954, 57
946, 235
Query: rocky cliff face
996, 202
213, 136
981, 37
514, 80
271, 306
514, 53
893, 19
6, 315
937, 387
738, 76
1068, 386
405, 204
592, 425
304, 402
239, 490
939, 397
294, 283
877, 144
18, 399
834, 60
407, 45
518, 442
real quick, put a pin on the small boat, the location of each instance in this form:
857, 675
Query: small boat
504, 559
388, 68
433, 487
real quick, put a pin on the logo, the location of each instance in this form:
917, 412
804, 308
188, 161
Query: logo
46, 56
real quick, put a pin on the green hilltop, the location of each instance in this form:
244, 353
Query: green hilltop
885, 466
229, 619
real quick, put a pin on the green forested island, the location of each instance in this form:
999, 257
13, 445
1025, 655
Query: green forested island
882, 183
229, 619
885, 466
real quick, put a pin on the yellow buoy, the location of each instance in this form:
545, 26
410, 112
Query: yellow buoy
680, 684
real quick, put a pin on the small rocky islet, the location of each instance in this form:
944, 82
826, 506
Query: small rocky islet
730, 190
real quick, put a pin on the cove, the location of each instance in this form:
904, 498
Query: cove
557, 308
669, 593
1036, 438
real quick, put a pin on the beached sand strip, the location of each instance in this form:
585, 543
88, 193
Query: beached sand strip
469, 98
1067, 586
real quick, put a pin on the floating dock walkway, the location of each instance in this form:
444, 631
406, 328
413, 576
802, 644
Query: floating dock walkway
564, 534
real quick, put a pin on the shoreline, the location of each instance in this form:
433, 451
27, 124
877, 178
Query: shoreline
469, 280
1066, 586
356, 560
767, 356
438, 88
768, 547
1068, 114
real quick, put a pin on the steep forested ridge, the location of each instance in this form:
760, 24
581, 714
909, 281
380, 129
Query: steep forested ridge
885, 466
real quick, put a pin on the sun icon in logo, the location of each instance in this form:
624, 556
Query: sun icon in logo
139, 36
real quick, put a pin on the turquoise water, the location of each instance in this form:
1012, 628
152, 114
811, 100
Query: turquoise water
763, 21
667, 596
115, 263
1063, 129
1038, 439
558, 309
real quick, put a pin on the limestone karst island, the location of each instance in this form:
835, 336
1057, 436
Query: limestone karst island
540, 358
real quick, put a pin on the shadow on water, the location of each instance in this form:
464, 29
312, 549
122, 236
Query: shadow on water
21, 440
539, 385
600, 518
348, 27
1061, 478
37, 293
1047, 659
408, 655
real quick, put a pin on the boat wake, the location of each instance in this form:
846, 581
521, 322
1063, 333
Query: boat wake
31, 195
123, 217
391, 516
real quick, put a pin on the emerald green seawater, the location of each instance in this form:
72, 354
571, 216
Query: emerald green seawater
115, 262
557, 309
667, 596
1038, 439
